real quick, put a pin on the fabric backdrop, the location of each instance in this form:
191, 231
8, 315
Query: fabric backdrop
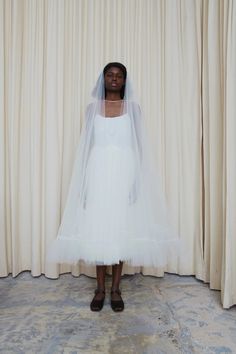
181, 56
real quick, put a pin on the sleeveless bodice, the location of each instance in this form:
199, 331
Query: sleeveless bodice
112, 131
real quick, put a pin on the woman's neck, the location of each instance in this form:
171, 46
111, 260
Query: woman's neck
113, 97
113, 100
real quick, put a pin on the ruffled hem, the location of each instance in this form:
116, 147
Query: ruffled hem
135, 253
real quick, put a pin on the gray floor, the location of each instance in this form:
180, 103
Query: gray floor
162, 315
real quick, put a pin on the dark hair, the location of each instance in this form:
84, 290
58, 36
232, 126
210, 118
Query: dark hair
124, 71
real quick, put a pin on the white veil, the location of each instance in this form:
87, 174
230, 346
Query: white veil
146, 186
77, 188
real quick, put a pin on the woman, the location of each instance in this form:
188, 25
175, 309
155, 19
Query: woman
115, 209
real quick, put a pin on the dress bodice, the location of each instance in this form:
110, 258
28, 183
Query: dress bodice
112, 131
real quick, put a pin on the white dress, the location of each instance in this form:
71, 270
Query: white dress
110, 227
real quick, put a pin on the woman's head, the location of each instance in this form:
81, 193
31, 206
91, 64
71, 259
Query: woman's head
114, 78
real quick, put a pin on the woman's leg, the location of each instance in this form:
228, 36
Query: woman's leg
101, 274
98, 299
117, 303
116, 277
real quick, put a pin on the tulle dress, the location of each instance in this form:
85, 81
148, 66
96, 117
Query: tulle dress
110, 226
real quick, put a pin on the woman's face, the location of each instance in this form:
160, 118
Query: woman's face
114, 79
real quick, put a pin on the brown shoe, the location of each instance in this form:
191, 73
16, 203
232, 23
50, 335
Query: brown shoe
97, 305
117, 305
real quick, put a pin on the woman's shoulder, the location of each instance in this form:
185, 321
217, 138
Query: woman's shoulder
90, 108
135, 108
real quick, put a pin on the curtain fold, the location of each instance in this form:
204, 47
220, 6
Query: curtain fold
181, 57
212, 141
218, 102
228, 276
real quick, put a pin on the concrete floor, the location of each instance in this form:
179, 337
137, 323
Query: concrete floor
162, 315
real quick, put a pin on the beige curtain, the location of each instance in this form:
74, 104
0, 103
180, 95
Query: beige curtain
181, 56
